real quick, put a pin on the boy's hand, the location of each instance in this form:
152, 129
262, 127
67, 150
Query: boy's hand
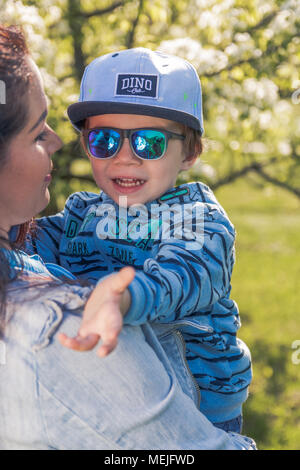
103, 315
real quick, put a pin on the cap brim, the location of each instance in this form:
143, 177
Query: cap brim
78, 112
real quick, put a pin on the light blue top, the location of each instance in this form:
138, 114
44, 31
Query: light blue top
34, 265
189, 288
55, 398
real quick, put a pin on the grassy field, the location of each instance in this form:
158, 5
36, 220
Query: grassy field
266, 286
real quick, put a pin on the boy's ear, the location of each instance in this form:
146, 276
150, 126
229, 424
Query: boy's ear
189, 161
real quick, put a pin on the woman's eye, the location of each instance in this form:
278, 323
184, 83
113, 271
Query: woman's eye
42, 136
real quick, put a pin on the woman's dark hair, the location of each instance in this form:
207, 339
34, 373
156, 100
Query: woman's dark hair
16, 76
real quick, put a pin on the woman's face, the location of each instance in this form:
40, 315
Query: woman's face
26, 173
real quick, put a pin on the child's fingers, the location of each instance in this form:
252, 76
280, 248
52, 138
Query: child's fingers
107, 324
107, 348
79, 343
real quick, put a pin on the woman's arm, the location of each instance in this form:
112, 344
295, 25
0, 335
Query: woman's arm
129, 400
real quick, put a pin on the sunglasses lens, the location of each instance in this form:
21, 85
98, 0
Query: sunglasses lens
149, 144
103, 143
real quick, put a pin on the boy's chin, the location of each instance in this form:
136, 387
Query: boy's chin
127, 201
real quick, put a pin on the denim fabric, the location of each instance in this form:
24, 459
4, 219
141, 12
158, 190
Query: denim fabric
234, 425
55, 398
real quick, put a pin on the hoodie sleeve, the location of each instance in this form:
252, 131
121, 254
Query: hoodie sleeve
50, 230
46, 240
180, 281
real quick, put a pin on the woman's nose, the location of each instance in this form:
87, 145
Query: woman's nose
55, 143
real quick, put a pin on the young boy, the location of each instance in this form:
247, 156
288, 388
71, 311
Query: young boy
140, 118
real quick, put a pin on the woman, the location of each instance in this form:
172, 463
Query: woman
53, 397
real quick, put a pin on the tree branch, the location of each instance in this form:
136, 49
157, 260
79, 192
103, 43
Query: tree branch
103, 11
271, 48
250, 60
234, 175
130, 39
262, 23
75, 21
276, 182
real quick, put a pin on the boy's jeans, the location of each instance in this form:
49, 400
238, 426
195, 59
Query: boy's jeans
234, 424
55, 398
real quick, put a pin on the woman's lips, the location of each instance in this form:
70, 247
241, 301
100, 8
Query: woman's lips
48, 178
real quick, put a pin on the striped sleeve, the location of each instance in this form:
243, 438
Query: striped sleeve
46, 241
179, 282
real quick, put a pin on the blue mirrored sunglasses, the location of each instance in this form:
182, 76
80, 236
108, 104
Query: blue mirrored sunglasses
146, 143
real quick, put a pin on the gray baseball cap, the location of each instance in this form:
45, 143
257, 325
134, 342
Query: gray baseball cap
140, 81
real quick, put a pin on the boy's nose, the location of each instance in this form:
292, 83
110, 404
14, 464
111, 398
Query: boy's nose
125, 154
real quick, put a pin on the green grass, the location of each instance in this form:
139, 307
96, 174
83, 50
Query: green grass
266, 286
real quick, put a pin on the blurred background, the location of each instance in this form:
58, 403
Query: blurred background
247, 55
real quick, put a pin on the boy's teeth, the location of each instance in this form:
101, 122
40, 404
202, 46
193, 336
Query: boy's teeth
129, 182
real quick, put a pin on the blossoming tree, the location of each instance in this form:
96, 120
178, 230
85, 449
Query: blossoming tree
247, 56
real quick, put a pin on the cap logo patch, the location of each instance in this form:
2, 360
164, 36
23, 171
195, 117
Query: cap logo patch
129, 84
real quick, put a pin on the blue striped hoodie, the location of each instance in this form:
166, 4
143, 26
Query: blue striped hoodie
184, 280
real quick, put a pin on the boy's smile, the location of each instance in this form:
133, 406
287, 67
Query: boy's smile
125, 174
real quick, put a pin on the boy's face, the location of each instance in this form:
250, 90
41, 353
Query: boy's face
125, 174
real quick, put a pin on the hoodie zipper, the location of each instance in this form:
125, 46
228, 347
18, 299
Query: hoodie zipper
179, 335
196, 386
208, 329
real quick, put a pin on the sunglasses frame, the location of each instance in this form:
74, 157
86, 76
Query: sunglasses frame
127, 133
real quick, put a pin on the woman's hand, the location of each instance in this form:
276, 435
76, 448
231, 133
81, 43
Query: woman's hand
103, 314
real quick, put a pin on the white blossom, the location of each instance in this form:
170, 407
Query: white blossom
282, 20
208, 171
205, 169
221, 125
255, 147
265, 119
265, 7
263, 91
208, 19
201, 4
242, 37
55, 13
282, 108
204, 59
232, 50
15, 10
234, 145
284, 147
